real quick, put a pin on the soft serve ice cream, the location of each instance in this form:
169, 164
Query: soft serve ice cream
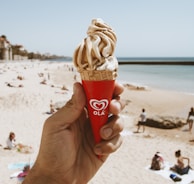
95, 61
96, 51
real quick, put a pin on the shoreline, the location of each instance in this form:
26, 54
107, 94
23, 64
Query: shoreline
120, 78
24, 109
142, 86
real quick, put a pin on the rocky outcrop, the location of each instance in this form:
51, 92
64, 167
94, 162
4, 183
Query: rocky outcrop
165, 122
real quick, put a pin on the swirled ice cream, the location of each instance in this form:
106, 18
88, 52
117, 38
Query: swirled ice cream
96, 52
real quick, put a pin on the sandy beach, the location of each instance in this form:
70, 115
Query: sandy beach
28, 87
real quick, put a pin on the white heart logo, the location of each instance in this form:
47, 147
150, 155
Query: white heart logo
98, 104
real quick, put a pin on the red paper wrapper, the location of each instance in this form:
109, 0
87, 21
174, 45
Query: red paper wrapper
99, 95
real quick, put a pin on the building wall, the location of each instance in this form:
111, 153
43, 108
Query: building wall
18, 57
5, 50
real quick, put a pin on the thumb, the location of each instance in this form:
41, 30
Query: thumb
72, 109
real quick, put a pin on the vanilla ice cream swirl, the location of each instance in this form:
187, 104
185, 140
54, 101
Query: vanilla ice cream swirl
96, 51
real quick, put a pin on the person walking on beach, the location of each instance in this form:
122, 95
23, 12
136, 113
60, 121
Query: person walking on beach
190, 118
142, 121
68, 153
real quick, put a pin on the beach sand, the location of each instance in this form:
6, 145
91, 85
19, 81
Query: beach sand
24, 104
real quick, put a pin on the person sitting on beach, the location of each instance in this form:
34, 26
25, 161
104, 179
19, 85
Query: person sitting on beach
142, 121
180, 167
11, 141
68, 153
11, 144
190, 118
157, 162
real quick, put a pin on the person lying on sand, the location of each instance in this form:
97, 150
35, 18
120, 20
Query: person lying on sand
15, 86
19, 77
43, 82
25, 171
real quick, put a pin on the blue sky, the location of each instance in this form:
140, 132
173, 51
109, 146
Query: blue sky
144, 28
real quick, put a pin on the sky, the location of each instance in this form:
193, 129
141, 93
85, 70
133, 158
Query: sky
144, 28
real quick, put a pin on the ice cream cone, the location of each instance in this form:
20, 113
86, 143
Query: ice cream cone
95, 61
98, 75
98, 88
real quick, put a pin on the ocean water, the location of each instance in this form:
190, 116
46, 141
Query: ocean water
172, 77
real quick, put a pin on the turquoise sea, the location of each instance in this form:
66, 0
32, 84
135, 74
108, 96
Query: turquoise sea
163, 73
172, 73
171, 77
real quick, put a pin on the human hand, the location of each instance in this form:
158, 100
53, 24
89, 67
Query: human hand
68, 154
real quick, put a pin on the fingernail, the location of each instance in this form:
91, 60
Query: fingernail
118, 105
107, 132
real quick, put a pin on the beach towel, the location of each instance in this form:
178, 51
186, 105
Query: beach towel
19, 165
15, 174
166, 172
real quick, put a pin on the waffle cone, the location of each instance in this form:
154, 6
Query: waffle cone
97, 75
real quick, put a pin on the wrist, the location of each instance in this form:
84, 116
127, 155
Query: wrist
36, 175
